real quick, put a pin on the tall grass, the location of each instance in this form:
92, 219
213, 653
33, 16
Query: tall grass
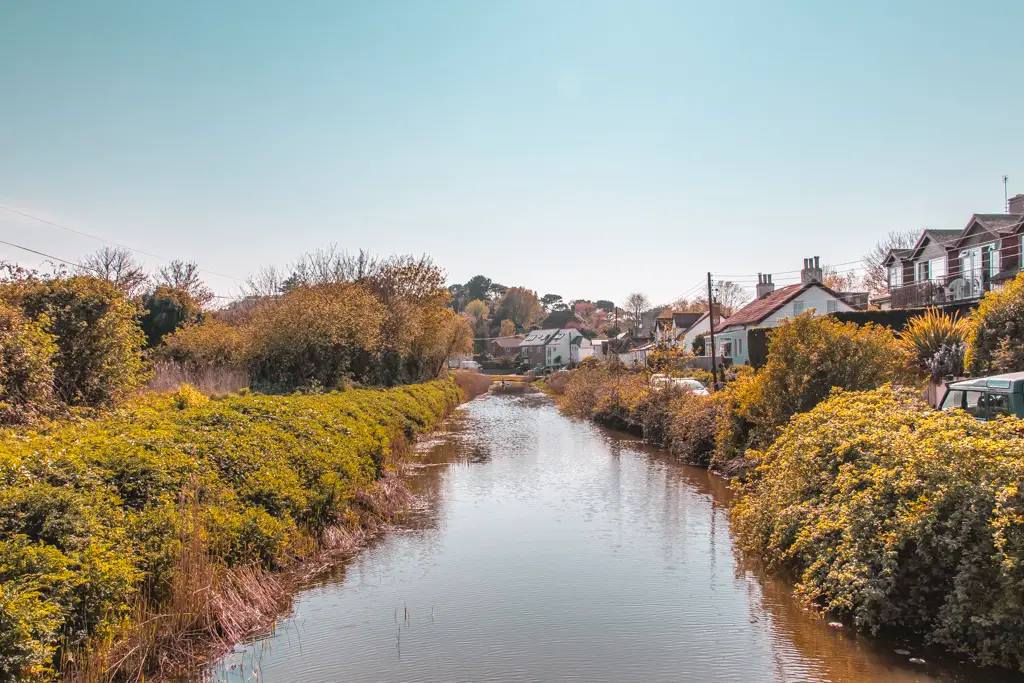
210, 379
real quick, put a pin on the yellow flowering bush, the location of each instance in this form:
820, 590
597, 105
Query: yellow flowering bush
996, 338
91, 512
895, 516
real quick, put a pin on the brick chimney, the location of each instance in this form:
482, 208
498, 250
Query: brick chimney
1016, 204
811, 272
765, 286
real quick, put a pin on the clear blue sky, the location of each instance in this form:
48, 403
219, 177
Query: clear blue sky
583, 148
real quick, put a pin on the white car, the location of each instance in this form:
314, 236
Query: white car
660, 381
469, 365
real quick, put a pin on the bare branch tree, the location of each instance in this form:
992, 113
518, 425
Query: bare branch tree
185, 276
635, 305
876, 277
119, 266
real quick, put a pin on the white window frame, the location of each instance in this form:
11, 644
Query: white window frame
939, 272
799, 307
726, 345
896, 276
924, 271
738, 346
831, 306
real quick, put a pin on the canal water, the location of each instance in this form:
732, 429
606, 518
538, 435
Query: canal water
548, 549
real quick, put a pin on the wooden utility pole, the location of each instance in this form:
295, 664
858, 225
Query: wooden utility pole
711, 321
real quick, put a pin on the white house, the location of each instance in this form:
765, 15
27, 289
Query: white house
554, 348
773, 305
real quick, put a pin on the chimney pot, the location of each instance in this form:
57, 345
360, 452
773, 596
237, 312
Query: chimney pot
764, 285
817, 263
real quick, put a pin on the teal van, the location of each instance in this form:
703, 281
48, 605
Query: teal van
987, 398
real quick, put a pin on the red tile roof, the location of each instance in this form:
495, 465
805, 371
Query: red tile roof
759, 309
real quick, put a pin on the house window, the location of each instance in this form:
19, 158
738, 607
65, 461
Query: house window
937, 268
831, 306
739, 346
924, 271
798, 307
993, 259
726, 348
895, 276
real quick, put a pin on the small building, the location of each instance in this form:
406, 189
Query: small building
554, 348
772, 306
670, 325
504, 347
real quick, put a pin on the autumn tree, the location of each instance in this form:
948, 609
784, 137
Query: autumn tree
508, 329
729, 296
184, 275
520, 305
118, 266
477, 310
838, 282
478, 287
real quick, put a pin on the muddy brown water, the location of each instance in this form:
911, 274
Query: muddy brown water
548, 549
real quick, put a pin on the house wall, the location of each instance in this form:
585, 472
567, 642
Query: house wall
931, 250
1009, 255
815, 298
703, 327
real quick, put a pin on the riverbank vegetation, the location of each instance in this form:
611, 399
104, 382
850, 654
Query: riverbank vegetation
892, 516
142, 520
99, 519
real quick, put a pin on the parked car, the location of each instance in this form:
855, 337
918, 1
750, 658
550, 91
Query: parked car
469, 365
660, 381
987, 398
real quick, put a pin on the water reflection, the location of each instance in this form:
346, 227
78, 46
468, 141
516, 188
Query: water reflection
549, 549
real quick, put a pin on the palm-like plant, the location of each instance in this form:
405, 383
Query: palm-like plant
933, 332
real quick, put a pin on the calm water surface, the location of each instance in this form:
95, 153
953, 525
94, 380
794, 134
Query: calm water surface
548, 549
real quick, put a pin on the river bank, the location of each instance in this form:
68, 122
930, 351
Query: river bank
547, 548
139, 543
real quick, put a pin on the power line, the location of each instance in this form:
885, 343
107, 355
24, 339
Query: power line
106, 241
84, 267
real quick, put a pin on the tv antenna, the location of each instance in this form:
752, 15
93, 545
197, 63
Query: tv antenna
1006, 196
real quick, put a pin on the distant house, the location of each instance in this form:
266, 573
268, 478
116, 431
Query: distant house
554, 347
681, 329
771, 306
670, 325
503, 347
950, 266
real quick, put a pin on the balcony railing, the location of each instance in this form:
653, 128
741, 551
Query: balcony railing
964, 286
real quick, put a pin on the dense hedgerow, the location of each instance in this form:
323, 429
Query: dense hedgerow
91, 513
896, 516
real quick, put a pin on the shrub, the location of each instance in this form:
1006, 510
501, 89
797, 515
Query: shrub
693, 427
996, 341
167, 309
894, 515
92, 513
98, 360
26, 367
211, 343
608, 393
936, 334
807, 357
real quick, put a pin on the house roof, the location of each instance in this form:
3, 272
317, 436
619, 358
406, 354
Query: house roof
666, 314
759, 309
998, 223
901, 254
541, 337
508, 342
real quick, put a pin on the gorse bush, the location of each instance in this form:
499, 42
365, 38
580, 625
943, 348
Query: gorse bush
996, 341
98, 359
807, 357
896, 516
26, 367
92, 513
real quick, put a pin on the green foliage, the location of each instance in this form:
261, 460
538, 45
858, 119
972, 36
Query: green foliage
91, 513
98, 360
167, 309
936, 333
896, 516
807, 357
26, 367
996, 342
